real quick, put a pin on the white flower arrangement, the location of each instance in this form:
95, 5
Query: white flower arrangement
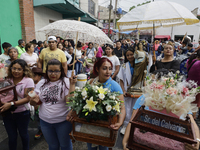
170, 93
95, 102
3, 72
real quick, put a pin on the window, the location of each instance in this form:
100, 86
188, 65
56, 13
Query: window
91, 7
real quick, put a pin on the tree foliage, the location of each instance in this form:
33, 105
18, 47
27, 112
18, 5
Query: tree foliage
139, 5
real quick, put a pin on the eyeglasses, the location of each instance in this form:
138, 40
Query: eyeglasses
16, 69
51, 42
56, 72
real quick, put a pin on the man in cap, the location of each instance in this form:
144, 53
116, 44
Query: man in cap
190, 49
52, 52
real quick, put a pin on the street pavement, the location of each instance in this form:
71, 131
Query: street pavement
41, 144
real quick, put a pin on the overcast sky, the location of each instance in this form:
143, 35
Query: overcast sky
126, 4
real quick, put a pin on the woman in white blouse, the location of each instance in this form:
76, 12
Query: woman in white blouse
29, 56
114, 59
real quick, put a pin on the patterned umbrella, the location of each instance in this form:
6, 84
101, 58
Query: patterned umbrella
159, 13
69, 29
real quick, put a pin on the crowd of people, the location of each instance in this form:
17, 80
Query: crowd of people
50, 68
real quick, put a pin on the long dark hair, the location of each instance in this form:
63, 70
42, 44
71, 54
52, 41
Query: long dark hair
62, 76
131, 49
108, 45
193, 56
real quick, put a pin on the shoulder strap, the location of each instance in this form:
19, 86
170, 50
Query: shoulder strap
87, 53
191, 66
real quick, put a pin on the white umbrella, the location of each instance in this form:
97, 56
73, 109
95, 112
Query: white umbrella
68, 29
161, 13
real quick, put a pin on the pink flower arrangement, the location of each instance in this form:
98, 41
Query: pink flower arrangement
172, 94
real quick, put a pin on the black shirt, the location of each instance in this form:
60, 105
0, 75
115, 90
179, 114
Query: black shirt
118, 53
70, 68
170, 66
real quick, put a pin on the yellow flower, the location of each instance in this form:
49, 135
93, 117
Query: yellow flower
102, 90
90, 105
116, 107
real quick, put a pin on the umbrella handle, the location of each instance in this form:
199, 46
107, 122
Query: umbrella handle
79, 18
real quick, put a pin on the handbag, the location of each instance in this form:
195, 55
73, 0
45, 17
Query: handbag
7, 94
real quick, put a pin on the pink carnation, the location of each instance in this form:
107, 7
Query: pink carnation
1, 65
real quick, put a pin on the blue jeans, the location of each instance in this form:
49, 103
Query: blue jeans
57, 134
95, 148
78, 67
17, 122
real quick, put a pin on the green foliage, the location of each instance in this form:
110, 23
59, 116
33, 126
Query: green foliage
80, 100
139, 5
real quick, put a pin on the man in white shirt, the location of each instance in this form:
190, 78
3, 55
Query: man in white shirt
5, 56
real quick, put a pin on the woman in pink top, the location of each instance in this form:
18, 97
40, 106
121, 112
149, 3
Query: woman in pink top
156, 45
99, 52
17, 121
29, 56
193, 66
52, 93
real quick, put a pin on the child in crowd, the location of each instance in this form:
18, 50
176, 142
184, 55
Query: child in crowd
70, 65
79, 62
38, 74
5, 56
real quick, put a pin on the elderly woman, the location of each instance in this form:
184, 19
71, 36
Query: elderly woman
29, 56
168, 61
13, 53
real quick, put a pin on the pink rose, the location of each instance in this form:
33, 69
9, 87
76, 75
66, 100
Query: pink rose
153, 86
185, 91
172, 81
160, 87
171, 91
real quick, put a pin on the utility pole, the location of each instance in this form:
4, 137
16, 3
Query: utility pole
98, 15
110, 8
114, 21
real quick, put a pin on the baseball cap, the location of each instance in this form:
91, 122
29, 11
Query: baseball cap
52, 38
190, 45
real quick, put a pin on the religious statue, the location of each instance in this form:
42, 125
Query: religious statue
141, 63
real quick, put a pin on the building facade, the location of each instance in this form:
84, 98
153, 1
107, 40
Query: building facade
22, 18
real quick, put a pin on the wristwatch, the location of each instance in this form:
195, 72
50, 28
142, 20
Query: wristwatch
12, 104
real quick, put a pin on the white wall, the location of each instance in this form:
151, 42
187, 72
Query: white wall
84, 6
42, 15
181, 30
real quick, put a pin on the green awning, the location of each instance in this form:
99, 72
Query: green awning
68, 8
